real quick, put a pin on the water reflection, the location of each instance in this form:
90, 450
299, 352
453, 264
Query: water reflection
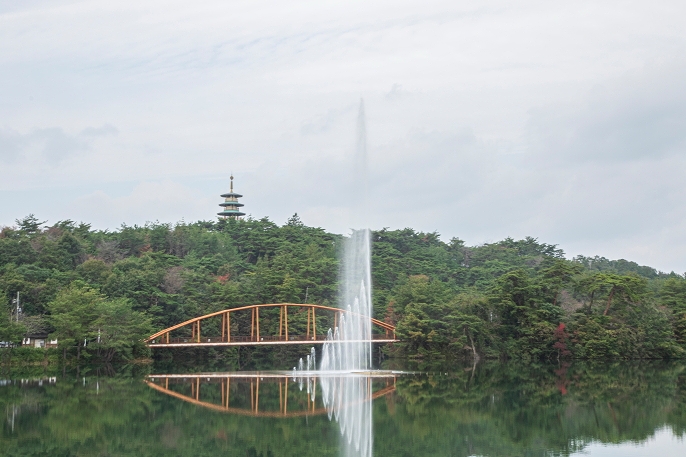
499, 410
259, 393
347, 399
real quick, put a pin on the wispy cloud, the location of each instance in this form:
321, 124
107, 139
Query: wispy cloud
52, 144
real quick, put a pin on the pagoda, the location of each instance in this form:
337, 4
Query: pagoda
231, 205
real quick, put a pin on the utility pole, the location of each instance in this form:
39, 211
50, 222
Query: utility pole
307, 290
18, 309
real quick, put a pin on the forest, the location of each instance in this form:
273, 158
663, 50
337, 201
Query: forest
101, 292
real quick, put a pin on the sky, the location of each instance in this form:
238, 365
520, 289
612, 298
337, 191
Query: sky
564, 121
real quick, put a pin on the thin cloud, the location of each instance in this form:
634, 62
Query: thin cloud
636, 117
561, 121
11, 145
105, 130
52, 144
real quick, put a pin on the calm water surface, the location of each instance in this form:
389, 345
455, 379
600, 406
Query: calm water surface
630, 409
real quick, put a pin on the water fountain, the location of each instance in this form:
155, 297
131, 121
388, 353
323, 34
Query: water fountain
348, 347
346, 356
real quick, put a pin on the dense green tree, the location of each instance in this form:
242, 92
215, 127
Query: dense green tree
120, 330
29, 225
11, 331
558, 276
73, 314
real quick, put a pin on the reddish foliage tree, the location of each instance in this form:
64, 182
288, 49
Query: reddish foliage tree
561, 335
391, 316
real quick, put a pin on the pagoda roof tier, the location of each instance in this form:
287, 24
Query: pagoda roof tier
231, 194
231, 204
230, 212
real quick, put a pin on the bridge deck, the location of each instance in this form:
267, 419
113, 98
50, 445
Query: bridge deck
274, 375
266, 342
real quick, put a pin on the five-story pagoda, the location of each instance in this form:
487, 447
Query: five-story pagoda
231, 205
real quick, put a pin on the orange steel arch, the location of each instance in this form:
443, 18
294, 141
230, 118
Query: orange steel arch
162, 338
255, 410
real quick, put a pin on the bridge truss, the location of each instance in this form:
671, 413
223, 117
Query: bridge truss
189, 333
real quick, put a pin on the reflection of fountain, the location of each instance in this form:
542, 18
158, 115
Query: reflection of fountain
347, 398
349, 401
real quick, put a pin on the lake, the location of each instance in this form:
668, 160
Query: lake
495, 409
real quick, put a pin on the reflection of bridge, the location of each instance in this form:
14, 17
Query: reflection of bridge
211, 382
220, 325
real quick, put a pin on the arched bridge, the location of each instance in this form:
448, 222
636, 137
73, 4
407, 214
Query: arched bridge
229, 327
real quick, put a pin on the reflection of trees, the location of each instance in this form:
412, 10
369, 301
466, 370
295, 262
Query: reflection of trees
498, 410
521, 411
125, 417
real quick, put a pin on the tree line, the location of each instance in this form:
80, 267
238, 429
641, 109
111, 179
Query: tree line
101, 292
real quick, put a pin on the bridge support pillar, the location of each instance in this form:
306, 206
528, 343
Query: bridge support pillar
311, 322
252, 324
226, 327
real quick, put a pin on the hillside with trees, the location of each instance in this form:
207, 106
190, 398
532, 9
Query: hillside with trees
100, 292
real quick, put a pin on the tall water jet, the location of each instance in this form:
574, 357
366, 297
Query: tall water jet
348, 347
360, 179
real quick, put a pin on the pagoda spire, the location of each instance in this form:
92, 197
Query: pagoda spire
230, 205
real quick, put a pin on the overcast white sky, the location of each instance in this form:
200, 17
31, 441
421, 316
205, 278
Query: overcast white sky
565, 121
